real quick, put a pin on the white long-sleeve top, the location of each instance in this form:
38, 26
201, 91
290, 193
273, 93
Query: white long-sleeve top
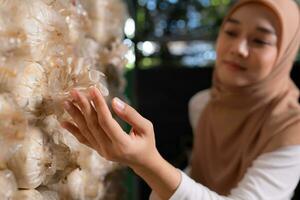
272, 176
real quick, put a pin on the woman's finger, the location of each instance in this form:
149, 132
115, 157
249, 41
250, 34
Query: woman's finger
78, 118
131, 116
106, 121
91, 118
75, 131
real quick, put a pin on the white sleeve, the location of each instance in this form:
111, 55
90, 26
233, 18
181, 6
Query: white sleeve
273, 176
196, 106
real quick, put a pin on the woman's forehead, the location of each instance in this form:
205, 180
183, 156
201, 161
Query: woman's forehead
257, 15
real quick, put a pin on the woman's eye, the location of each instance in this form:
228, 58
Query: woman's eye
231, 33
260, 42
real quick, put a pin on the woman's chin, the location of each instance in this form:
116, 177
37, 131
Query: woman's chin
233, 81
231, 78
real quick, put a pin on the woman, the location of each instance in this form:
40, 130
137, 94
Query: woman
247, 138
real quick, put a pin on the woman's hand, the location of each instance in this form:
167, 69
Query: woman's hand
95, 127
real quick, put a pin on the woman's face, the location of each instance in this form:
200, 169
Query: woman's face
247, 46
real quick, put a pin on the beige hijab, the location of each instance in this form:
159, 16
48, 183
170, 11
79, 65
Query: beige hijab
239, 124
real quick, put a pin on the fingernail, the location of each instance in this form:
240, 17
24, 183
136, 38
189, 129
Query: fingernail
62, 124
91, 87
92, 91
120, 105
74, 95
67, 105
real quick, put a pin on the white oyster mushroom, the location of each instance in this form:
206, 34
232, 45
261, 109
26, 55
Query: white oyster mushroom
33, 161
8, 185
84, 186
27, 195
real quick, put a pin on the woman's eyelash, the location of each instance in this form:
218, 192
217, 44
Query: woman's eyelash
231, 33
262, 42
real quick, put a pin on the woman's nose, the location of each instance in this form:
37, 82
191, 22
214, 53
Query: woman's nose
240, 48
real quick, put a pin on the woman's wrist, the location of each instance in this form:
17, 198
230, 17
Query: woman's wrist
147, 163
160, 175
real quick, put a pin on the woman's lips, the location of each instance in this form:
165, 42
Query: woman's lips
234, 66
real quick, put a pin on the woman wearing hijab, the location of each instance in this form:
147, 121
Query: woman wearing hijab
247, 136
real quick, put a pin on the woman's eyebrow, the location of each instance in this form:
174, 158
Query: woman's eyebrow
232, 20
266, 30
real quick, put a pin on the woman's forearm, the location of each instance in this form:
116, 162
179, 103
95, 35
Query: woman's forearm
161, 176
